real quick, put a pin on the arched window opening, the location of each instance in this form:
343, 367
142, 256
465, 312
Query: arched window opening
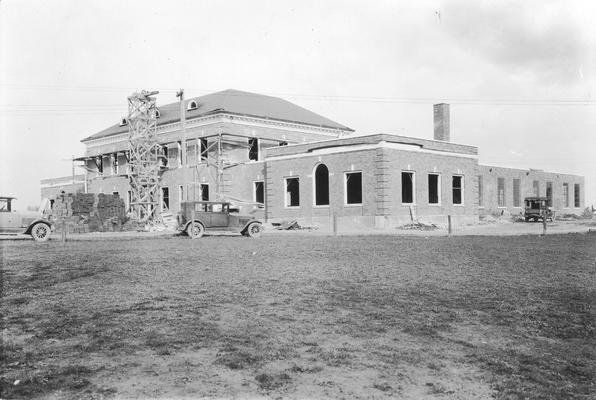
322, 185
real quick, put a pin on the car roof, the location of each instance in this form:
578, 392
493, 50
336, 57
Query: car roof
535, 198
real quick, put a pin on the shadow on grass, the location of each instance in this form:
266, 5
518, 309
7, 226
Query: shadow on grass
275, 381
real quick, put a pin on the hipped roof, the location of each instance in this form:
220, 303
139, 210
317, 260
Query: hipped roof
234, 102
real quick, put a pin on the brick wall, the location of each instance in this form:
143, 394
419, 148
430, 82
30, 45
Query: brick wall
491, 174
381, 187
446, 166
304, 168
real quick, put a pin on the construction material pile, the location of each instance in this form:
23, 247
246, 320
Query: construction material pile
291, 225
418, 226
89, 212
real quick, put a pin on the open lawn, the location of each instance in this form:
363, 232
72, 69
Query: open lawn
297, 316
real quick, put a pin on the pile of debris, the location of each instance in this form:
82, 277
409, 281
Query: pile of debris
418, 226
88, 212
291, 225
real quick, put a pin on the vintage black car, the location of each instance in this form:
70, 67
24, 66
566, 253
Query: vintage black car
536, 208
23, 222
196, 217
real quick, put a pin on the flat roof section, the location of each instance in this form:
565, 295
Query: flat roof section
434, 145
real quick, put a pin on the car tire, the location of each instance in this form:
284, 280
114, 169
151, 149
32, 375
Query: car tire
41, 232
254, 230
195, 230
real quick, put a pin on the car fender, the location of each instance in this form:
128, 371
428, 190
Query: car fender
44, 221
197, 221
245, 227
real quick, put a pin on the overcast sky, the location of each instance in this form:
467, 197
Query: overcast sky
520, 75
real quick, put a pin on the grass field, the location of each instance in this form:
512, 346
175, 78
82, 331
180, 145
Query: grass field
301, 317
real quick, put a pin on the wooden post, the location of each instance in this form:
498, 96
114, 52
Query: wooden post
334, 223
63, 230
544, 225
449, 224
192, 219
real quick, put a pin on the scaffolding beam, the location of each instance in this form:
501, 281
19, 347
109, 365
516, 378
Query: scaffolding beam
144, 152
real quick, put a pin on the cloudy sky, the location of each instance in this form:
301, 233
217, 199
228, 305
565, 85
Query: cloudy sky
520, 76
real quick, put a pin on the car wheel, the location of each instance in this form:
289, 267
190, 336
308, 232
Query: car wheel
254, 230
40, 232
195, 230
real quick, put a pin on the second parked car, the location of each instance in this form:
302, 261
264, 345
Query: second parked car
196, 217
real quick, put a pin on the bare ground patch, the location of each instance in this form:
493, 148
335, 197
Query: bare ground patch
301, 317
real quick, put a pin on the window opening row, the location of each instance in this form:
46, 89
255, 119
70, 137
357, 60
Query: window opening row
516, 192
352, 188
408, 188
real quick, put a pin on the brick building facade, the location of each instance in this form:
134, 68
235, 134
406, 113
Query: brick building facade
300, 165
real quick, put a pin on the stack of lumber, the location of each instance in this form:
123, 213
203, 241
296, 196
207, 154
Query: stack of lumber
88, 212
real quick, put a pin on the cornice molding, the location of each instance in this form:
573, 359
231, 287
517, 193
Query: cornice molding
223, 118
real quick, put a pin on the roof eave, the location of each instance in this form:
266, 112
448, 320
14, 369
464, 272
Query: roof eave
219, 111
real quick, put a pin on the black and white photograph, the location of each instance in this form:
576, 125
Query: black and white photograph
298, 199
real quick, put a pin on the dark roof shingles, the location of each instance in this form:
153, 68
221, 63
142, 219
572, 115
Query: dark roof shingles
235, 102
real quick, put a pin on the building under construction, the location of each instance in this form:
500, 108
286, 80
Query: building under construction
265, 153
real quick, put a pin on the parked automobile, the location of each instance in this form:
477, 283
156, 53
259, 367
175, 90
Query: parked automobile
23, 222
196, 217
536, 208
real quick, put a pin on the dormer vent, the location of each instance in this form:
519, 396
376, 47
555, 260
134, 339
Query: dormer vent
193, 105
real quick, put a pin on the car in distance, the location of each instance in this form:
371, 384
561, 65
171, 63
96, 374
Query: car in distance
23, 222
536, 208
196, 217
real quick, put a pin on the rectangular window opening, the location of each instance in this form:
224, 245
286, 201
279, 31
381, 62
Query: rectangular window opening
566, 194
204, 149
204, 191
536, 188
165, 199
576, 197
163, 157
292, 192
458, 189
191, 152
114, 164
433, 189
501, 192
549, 194
480, 191
516, 193
253, 149
99, 164
407, 187
259, 194
354, 188
173, 155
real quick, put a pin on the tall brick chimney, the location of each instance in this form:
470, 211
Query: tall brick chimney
441, 118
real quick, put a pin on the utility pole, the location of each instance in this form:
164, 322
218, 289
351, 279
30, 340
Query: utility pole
180, 94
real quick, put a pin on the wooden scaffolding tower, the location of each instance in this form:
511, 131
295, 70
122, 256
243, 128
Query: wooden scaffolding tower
144, 155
